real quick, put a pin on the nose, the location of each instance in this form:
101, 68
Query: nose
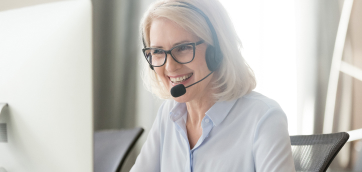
171, 65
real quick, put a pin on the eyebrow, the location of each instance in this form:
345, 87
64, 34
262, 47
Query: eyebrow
175, 44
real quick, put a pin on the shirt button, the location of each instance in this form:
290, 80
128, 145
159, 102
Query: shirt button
207, 120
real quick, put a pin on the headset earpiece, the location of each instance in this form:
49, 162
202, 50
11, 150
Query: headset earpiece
210, 58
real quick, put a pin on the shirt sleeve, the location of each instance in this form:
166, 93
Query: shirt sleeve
272, 149
149, 157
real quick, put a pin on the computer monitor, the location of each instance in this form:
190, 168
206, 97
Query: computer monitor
46, 80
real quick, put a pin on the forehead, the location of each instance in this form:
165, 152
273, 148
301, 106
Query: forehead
165, 33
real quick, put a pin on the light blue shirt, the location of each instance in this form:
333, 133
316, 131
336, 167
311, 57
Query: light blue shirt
244, 135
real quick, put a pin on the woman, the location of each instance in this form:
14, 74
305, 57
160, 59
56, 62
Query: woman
217, 123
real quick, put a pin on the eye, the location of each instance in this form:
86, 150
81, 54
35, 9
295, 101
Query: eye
183, 48
157, 51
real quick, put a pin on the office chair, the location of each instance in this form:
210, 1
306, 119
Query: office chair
316, 152
111, 147
358, 164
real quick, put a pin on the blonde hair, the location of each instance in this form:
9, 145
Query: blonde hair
234, 78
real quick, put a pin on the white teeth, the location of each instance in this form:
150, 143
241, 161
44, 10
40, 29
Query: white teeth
180, 79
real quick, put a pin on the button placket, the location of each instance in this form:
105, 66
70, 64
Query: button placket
192, 160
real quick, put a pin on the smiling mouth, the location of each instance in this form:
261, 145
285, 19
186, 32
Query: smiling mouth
180, 79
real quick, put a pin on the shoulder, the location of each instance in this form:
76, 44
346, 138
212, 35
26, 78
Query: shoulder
259, 110
257, 99
267, 113
256, 105
253, 110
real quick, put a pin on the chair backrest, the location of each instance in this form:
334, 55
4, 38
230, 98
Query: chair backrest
111, 147
316, 152
358, 163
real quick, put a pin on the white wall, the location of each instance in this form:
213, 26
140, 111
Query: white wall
267, 30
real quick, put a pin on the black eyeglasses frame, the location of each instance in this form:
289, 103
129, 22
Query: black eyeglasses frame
169, 52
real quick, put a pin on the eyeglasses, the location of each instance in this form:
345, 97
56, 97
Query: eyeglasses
183, 53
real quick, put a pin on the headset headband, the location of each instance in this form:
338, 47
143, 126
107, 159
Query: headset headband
211, 27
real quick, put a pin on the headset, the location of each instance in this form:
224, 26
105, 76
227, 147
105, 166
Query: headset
213, 54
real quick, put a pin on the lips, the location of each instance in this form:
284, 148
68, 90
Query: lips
180, 79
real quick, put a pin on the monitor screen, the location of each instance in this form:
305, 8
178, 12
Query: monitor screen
46, 80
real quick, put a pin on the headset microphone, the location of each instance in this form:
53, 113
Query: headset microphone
180, 89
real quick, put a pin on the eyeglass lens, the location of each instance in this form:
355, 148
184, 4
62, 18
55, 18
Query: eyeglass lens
181, 53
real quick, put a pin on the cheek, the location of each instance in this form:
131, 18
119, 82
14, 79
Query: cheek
200, 62
200, 58
159, 71
160, 74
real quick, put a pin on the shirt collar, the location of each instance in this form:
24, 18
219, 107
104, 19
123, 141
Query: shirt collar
178, 111
217, 113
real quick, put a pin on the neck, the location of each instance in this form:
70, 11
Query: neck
198, 107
